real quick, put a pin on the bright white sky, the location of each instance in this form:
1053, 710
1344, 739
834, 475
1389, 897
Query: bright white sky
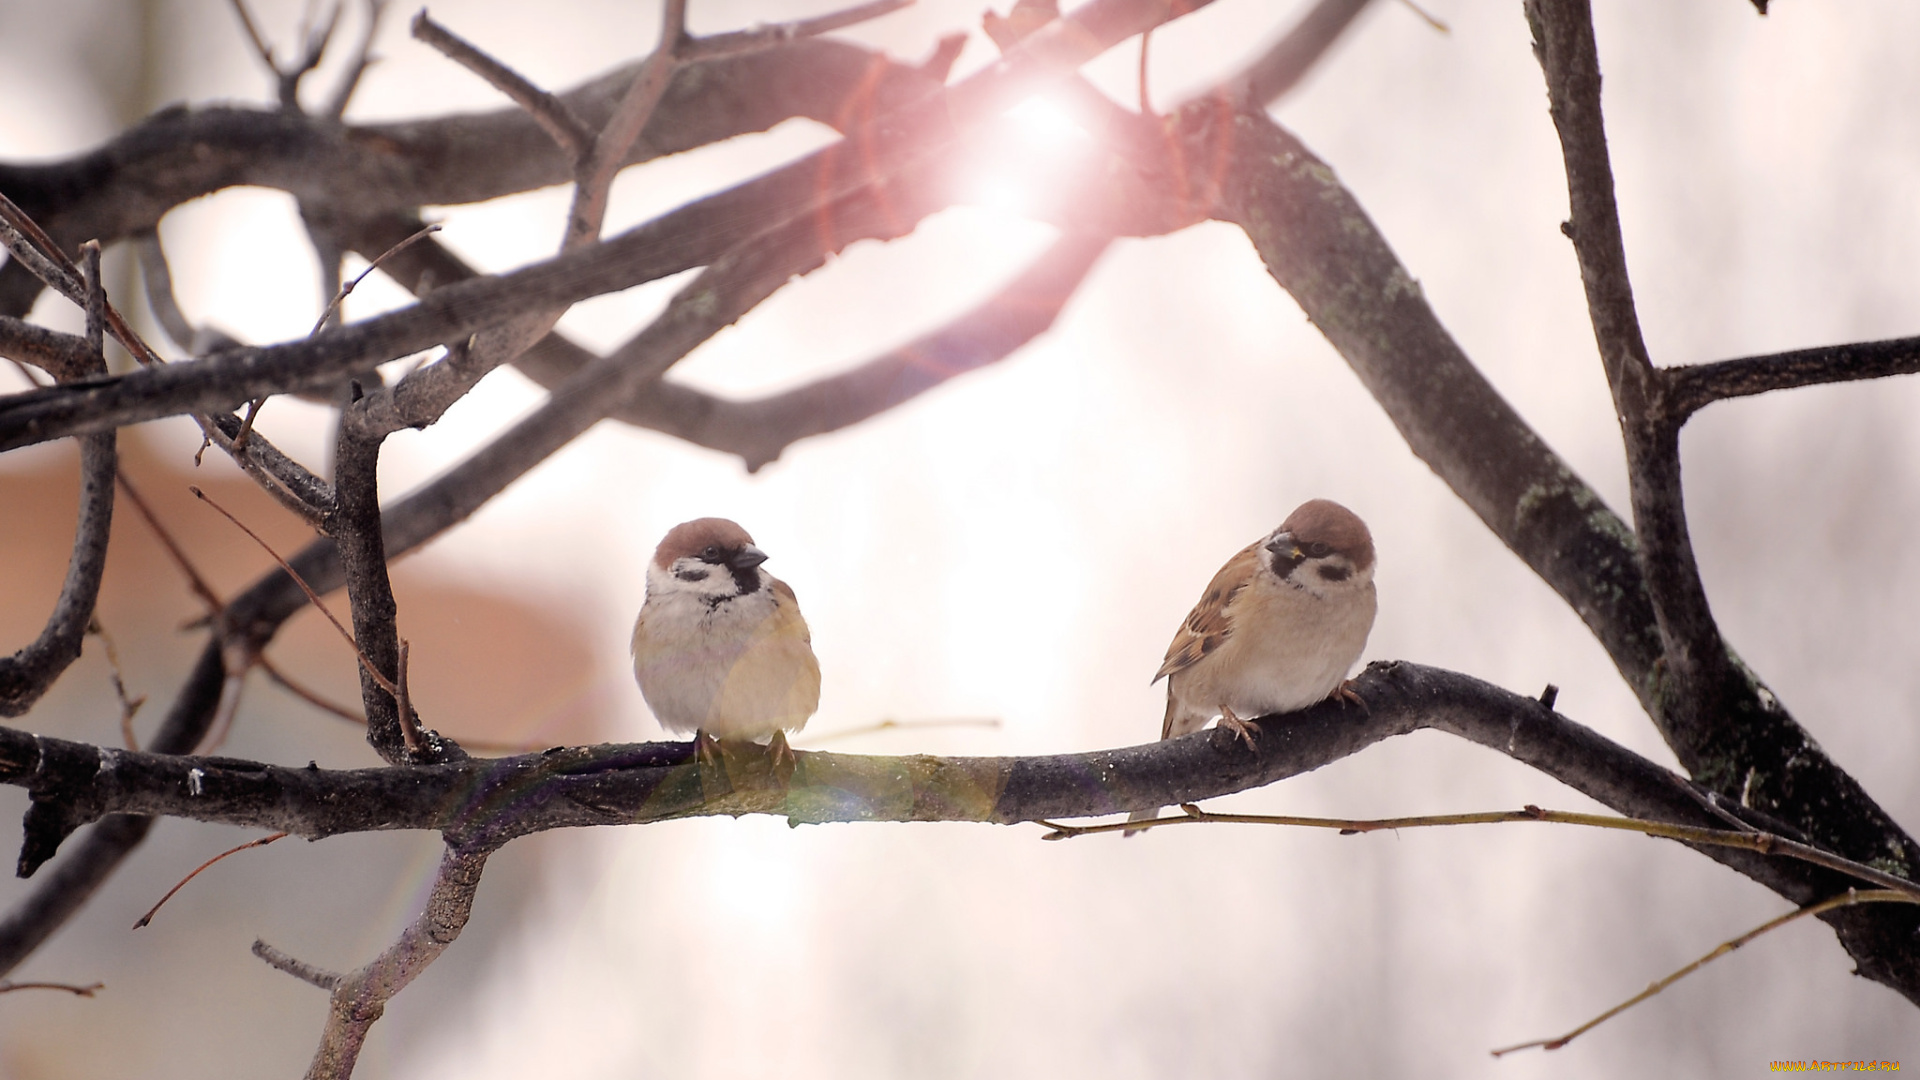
1021, 543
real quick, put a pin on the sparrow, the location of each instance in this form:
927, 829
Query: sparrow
1278, 627
720, 648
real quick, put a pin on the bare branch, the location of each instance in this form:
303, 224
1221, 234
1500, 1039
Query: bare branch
360, 997
367, 666
1845, 899
1745, 838
569, 132
1319, 245
78, 991
739, 42
1707, 707
1288, 60
236, 849
307, 973
27, 674
1692, 388
760, 430
346, 290
594, 170
63, 356
357, 67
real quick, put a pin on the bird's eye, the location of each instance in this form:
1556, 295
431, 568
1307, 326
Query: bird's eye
711, 553
1319, 549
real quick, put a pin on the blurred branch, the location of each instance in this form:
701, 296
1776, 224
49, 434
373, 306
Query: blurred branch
363, 58
1694, 387
1288, 60
313, 46
63, 356
360, 997
27, 674
78, 991
550, 111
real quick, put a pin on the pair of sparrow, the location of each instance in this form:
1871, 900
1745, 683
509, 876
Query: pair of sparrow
720, 648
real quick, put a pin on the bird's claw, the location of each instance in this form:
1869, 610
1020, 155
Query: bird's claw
1247, 732
1348, 695
710, 758
780, 759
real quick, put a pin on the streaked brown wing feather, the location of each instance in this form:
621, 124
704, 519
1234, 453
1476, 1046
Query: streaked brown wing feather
788, 610
1206, 627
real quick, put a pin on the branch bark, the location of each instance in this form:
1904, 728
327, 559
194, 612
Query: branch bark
1318, 243
482, 803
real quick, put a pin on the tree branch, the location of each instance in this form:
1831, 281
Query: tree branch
1692, 388
1288, 60
27, 674
360, 997
1318, 243
1701, 689
484, 803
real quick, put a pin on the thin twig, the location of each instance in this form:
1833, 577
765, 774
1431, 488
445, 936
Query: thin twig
1846, 899
409, 723
262, 842
1427, 17
79, 991
198, 584
306, 694
360, 997
313, 597
1146, 98
347, 288
739, 42
1755, 840
128, 705
363, 58
551, 112
340, 295
891, 725
299, 969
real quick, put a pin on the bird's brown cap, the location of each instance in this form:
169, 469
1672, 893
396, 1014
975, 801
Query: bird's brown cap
1334, 525
692, 538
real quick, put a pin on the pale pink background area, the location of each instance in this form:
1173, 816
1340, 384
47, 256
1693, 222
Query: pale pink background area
1021, 543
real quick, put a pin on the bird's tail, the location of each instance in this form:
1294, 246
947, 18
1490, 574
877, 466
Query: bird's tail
1140, 815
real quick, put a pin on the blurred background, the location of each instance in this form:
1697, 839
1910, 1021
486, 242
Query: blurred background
1059, 512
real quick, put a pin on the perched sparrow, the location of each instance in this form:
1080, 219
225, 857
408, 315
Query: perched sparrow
720, 648
1277, 628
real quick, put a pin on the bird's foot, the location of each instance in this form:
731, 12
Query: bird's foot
781, 760
1346, 695
1239, 727
710, 758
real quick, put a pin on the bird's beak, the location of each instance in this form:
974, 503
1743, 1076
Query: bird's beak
1283, 545
747, 558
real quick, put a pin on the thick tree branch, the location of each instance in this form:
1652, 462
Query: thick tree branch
1319, 245
1692, 388
1702, 691
486, 802
180, 154
63, 356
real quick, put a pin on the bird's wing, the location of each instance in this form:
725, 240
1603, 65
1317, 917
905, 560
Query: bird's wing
1207, 625
787, 612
